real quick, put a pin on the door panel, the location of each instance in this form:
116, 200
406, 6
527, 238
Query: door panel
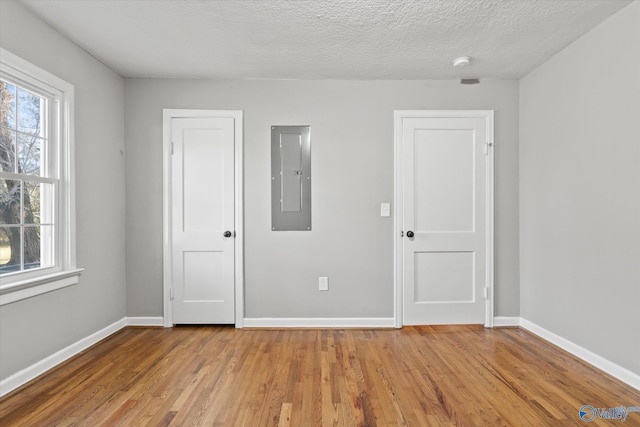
444, 207
444, 173
202, 210
444, 277
203, 156
203, 276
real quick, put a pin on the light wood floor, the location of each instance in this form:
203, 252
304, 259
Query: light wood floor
416, 376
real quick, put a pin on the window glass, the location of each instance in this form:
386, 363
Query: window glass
27, 199
8, 101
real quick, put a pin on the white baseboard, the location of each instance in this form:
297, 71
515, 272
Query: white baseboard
599, 362
330, 322
145, 321
504, 322
24, 376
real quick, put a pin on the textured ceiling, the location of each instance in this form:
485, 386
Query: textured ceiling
323, 39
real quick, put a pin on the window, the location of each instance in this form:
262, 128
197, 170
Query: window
37, 247
27, 187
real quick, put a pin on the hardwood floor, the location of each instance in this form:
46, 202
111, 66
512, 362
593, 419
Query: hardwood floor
416, 376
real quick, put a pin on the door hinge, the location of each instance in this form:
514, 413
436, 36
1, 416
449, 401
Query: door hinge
487, 145
172, 148
486, 293
171, 294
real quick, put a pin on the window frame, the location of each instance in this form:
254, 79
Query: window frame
64, 272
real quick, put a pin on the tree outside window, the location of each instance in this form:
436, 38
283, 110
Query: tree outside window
26, 189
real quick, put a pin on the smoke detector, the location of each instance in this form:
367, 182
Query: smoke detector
461, 61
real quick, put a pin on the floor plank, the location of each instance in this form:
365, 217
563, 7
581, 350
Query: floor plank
222, 376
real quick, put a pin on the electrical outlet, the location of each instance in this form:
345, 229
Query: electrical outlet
323, 283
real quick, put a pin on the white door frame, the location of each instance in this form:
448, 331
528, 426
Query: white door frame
167, 259
399, 116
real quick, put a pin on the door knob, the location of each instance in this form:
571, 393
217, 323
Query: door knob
410, 234
227, 234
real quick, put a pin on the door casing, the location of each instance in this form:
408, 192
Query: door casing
399, 116
167, 270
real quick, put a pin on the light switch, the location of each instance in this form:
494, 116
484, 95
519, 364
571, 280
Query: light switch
385, 209
323, 283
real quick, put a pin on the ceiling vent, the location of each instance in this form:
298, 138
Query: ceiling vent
469, 81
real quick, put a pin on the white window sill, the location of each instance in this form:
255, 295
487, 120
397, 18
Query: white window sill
39, 285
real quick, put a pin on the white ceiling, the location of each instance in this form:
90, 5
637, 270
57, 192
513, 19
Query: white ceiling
323, 39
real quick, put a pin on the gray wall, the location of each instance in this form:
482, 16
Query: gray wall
580, 194
578, 164
33, 329
352, 167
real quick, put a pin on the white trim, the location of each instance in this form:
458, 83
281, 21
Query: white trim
145, 321
24, 376
599, 362
398, 202
239, 217
399, 115
38, 286
489, 216
31, 74
506, 322
167, 274
27, 284
319, 322
167, 243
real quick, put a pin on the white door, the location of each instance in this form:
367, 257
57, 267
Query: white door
446, 214
202, 220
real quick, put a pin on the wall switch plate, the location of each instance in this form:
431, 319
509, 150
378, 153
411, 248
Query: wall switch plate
385, 209
323, 283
